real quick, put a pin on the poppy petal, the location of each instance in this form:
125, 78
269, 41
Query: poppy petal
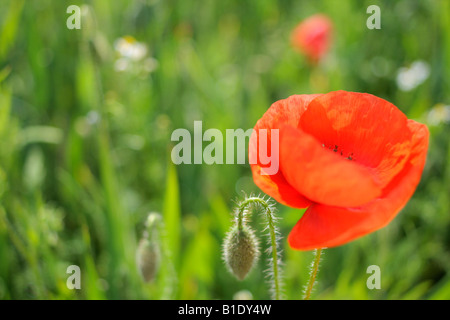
284, 111
328, 226
321, 175
368, 129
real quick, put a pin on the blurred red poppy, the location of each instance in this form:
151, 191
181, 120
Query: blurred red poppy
353, 159
312, 37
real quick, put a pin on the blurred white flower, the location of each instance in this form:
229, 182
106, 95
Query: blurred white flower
121, 64
410, 78
150, 64
93, 117
84, 125
129, 47
439, 114
132, 56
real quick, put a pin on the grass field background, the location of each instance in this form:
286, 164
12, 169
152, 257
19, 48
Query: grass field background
85, 142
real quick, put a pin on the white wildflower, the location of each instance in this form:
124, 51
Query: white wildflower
410, 78
439, 114
129, 47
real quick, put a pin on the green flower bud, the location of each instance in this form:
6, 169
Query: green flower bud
240, 251
148, 259
148, 254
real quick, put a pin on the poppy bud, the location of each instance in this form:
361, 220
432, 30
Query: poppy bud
240, 251
148, 254
312, 37
148, 259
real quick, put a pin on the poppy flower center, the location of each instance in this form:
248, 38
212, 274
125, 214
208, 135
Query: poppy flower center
335, 148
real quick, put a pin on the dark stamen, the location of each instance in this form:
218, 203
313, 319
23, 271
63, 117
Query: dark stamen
336, 149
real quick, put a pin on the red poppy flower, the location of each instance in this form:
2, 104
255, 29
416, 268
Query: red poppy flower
312, 37
352, 158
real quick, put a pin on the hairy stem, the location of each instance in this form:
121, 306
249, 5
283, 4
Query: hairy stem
313, 273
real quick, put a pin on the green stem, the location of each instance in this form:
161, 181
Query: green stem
313, 273
268, 209
28, 254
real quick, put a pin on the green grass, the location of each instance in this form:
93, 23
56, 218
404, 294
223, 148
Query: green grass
85, 149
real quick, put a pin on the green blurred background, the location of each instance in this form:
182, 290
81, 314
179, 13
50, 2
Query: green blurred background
86, 118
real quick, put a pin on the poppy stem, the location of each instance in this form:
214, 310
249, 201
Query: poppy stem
313, 273
268, 209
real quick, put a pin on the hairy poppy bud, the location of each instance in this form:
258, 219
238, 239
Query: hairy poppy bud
148, 254
147, 259
240, 251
